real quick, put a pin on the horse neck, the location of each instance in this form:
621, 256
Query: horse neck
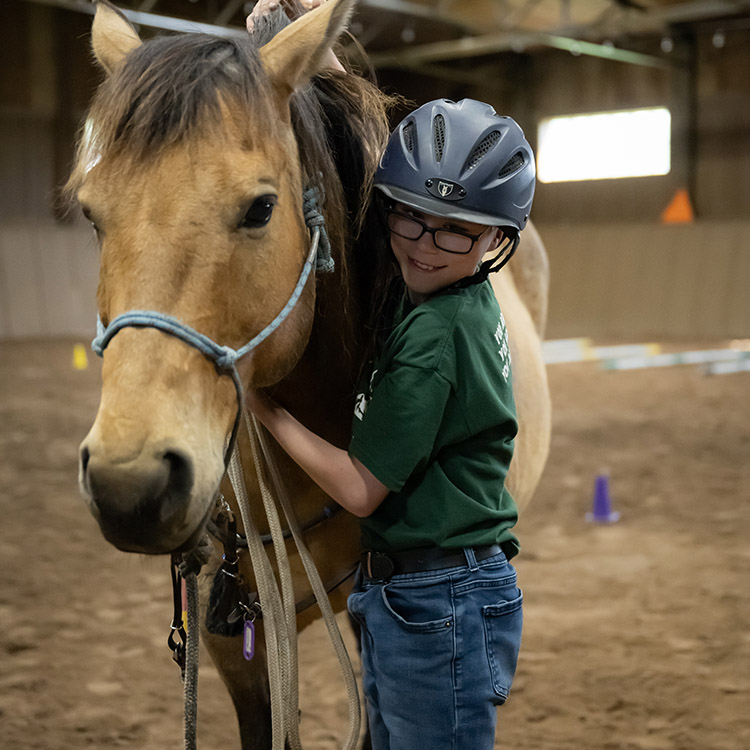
320, 390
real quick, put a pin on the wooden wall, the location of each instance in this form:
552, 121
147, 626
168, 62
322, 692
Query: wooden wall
617, 272
649, 282
48, 260
48, 276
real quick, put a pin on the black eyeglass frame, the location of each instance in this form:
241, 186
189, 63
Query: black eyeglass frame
392, 212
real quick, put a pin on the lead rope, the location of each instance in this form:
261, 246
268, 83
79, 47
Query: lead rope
279, 608
279, 646
321, 596
192, 653
184, 639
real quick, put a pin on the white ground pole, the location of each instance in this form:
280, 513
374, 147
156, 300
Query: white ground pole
641, 356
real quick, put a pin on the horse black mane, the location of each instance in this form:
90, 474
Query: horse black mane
173, 85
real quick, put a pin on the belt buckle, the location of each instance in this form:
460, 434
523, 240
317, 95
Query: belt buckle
379, 566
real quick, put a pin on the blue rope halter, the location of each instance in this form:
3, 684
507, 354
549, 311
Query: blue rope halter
224, 357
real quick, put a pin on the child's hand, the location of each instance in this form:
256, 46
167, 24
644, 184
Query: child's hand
264, 7
261, 8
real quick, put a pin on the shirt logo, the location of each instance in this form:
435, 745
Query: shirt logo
363, 399
501, 339
359, 406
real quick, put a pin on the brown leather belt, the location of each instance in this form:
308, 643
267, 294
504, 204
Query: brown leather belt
381, 566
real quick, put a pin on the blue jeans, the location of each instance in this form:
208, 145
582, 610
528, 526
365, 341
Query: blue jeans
439, 652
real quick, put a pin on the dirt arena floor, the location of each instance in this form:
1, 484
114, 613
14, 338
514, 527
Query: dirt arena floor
636, 633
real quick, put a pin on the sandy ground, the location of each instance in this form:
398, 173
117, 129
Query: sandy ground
636, 633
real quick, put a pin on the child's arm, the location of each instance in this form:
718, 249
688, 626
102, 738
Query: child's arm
344, 478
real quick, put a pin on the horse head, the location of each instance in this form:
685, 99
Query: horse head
189, 170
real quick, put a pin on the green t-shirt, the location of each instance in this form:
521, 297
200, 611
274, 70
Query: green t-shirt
436, 423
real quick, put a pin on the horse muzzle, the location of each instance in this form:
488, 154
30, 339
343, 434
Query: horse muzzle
144, 504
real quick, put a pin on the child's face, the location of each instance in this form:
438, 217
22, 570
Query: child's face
426, 268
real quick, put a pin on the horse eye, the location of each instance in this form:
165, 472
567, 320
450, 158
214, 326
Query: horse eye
87, 215
259, 213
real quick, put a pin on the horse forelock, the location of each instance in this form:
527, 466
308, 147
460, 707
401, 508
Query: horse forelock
171, 88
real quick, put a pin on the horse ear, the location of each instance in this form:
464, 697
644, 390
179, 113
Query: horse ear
296, 53
112, 36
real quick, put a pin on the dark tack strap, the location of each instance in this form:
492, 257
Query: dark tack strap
382, 566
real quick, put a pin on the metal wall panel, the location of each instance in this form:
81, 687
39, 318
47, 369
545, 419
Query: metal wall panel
621, 281
26, 166
48, 276
649, 281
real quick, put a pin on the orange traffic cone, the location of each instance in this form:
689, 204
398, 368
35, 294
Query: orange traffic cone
679, 210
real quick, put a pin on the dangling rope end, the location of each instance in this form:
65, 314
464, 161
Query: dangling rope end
311, 197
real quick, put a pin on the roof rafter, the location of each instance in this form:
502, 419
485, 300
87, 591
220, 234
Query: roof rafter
505, 41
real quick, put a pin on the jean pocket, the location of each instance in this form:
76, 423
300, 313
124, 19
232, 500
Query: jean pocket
354, 606
503, 623
419, 609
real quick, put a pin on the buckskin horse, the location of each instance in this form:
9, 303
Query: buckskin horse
192, 167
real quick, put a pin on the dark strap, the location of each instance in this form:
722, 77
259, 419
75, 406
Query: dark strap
177, 640
381, 565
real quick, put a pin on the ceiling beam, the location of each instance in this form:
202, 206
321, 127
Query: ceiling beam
426, 12
696, 10
229, 10
654, 20
454, 75
152, 20
415, 57
170, 23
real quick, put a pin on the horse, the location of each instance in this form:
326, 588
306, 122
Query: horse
191, 168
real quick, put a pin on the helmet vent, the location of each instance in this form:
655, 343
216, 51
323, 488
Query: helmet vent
408, 135
513, 164
482, 149
439, 136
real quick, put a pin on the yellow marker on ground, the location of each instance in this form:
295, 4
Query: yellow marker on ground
80, 358
588, 351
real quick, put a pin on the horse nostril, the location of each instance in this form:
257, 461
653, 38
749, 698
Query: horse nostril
180, 473
85, 456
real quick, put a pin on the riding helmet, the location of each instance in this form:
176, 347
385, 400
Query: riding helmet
460, 160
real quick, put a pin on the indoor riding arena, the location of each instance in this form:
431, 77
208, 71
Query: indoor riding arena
635, 564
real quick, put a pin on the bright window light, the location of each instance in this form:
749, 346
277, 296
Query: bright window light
606, 145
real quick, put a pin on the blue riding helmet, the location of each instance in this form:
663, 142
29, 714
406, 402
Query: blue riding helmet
460, 160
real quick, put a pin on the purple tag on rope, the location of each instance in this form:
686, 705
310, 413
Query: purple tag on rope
248, 640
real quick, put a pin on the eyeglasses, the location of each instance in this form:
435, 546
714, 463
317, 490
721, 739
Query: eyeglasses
449, 240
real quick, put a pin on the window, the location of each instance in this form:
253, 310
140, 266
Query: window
606, 145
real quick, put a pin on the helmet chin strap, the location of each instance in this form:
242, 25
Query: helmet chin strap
505, 253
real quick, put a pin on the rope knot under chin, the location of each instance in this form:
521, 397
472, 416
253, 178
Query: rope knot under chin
196, 558
227, 359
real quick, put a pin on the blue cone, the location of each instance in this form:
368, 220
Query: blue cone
601, 511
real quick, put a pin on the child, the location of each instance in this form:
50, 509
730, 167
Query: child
432, 438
